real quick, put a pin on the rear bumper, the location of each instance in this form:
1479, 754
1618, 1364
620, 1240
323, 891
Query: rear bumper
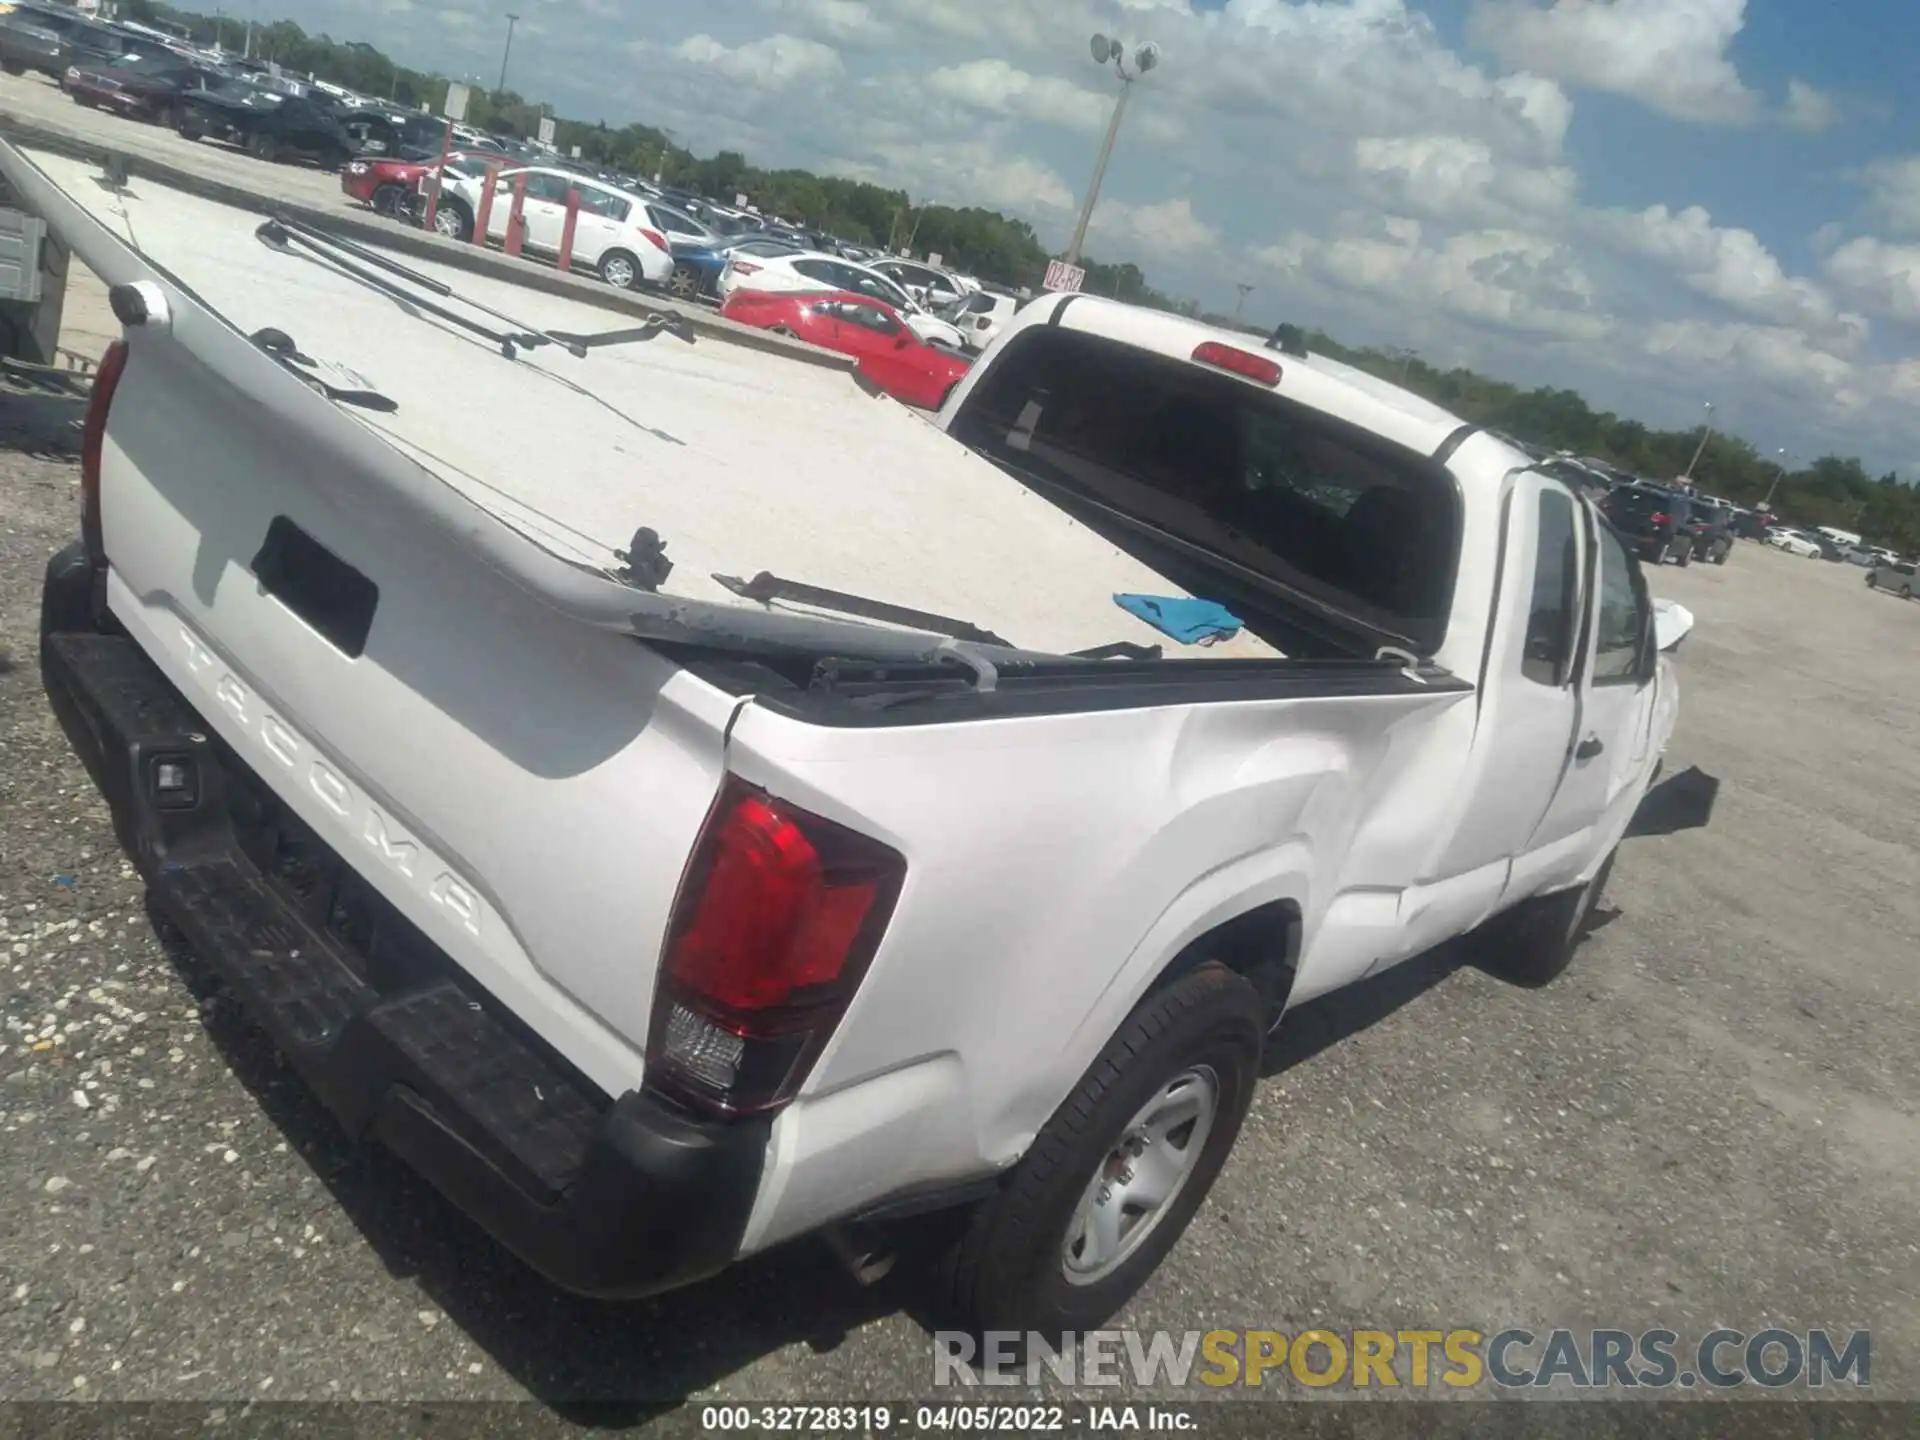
619, 1197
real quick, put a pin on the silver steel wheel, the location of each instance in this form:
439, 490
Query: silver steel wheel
617, 271
684, 283
1141, 1177
446, 220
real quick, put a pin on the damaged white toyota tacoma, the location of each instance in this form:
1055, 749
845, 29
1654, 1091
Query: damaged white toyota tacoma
680, 801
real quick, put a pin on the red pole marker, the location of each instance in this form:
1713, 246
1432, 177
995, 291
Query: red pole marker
566, 231
517, 222
433, 186
485, 216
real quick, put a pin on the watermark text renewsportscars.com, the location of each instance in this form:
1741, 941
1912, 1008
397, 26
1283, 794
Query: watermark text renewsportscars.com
1412, 1360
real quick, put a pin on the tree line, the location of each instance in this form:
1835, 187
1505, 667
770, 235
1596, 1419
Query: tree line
1831, 490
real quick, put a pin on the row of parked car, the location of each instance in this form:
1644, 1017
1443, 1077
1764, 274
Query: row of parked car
911, 326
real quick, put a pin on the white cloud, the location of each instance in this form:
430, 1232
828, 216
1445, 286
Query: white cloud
1167, 228
1777, 355
998, 88
1450, 176
1882, 276
1731, 266
1808, 108
768, 63
1505, 279
845, 22
972, 172
1893, 192
1670, 55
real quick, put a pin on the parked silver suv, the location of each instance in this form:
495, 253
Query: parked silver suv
1897, 577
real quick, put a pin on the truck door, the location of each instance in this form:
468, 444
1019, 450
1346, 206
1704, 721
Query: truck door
1615, 683
1529, 694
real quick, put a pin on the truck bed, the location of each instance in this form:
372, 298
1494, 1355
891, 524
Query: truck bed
743, 461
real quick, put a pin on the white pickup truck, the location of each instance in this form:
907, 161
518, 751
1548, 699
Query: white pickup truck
660, 915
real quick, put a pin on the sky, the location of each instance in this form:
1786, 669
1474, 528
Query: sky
1658, 203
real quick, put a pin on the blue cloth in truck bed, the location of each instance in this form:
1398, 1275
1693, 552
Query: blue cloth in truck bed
1191, 622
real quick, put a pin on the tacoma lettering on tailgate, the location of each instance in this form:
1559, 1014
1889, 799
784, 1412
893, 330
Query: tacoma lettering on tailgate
356, 822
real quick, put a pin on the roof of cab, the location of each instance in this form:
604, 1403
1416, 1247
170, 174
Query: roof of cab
1325, 384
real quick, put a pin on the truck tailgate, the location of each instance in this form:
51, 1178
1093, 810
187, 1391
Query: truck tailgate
524, 788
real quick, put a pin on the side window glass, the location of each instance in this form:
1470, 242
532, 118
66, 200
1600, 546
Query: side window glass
1554, 607
1624, 613
815, 270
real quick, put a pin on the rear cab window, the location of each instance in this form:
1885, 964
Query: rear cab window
1335, 540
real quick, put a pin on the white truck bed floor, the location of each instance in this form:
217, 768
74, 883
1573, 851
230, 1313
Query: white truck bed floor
742, 460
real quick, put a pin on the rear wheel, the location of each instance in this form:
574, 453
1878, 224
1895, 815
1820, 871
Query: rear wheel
1111, 1181
13, 67
386, 199
684, 282
1873, 581
620, 269
1686, 556
263, 147
1534, 942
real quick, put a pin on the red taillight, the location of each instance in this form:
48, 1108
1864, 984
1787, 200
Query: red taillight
776, 920
1240, 362
655, 239
93, 435
1660, 517
741, 267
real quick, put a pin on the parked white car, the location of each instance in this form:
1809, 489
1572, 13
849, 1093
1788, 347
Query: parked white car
816, 270
981, 316
1793, 542
931, 286
615, 234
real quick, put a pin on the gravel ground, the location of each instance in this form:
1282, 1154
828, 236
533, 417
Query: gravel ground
1713, 1118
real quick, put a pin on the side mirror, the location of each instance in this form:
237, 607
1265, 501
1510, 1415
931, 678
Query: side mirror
1672, 623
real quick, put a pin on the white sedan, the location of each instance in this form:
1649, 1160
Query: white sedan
613, 234
816, 270
1794, 543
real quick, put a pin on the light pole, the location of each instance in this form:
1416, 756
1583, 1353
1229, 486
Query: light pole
1144, 59
1705, 435
1241, 304
1767, 504
660, 165
505, 54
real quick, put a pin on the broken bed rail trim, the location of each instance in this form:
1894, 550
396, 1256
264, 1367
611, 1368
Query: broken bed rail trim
197, 335
19, 133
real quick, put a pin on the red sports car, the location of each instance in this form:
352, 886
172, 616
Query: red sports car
386, 185
888, 353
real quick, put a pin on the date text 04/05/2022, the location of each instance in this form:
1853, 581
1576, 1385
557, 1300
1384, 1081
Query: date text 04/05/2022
943, 1418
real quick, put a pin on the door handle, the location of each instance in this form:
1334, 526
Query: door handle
1588, 748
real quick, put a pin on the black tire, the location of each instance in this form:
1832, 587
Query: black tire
1720, 555
1533, 943
386, 198
263, 147
684, 282
621, 269
1686, 556
1873, 581
1009, 1270
452, 219
13, 67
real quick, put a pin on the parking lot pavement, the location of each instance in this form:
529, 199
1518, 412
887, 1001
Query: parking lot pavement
36, 100
1713, 1118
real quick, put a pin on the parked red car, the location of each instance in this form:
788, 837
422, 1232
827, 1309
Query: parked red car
386, 185
889, 354
147, 87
